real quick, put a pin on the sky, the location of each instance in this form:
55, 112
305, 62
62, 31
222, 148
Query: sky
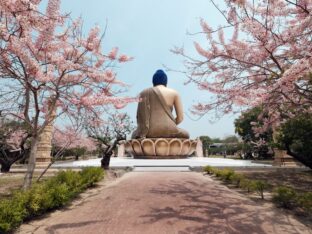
147, 30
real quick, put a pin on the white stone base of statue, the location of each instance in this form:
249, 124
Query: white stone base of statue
199, 149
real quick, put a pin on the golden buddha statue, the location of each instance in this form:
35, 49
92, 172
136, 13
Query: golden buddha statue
157, 134
154, 114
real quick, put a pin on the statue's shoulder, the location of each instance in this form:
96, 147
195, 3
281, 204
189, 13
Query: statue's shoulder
171, 91
146, 91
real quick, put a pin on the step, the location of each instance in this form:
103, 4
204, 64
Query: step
161, 168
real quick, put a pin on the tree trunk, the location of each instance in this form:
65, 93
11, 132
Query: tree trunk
107, 155
7, 158
31, 163
105, 161
5, 167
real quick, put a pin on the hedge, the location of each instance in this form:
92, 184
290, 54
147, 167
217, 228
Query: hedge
48, 195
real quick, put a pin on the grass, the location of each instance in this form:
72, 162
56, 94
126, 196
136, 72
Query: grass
10, 182
300, 181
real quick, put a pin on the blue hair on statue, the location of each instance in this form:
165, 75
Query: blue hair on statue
160, 78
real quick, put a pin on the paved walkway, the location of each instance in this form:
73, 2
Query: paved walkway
165, 202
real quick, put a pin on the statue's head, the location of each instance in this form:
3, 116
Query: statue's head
160, 78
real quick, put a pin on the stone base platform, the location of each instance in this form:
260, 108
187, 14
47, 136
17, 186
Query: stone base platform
160, 148
161, 157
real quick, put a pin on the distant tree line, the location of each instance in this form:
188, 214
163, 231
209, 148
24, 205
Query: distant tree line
293, 135
217, 146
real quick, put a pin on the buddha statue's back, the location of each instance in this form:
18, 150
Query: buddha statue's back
157, 134
172, 99
154, 114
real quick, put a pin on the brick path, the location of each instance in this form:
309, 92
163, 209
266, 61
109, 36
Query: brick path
165, 202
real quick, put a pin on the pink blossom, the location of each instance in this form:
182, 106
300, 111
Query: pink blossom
15, 139
267, 62
124, 58
69, 138
48, 65
113, 54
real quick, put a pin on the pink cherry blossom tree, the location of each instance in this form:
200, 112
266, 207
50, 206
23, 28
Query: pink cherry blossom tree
109, 133
47, 68
69, 138
115, 125
266, 62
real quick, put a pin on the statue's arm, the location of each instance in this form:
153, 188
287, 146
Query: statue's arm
178, 108
143, 116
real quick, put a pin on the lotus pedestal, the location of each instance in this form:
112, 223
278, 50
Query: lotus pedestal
160, 148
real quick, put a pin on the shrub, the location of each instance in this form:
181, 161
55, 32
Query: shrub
246, 184
71, 179
284, 197
305, 201
50, 194
13, 212
218, 172
91, 175
209, 170
226, 174
259, 186
236, 179
37, 200
59, 195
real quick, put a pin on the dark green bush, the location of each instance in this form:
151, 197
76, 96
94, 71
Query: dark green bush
284, 197
296, 137
48, 195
